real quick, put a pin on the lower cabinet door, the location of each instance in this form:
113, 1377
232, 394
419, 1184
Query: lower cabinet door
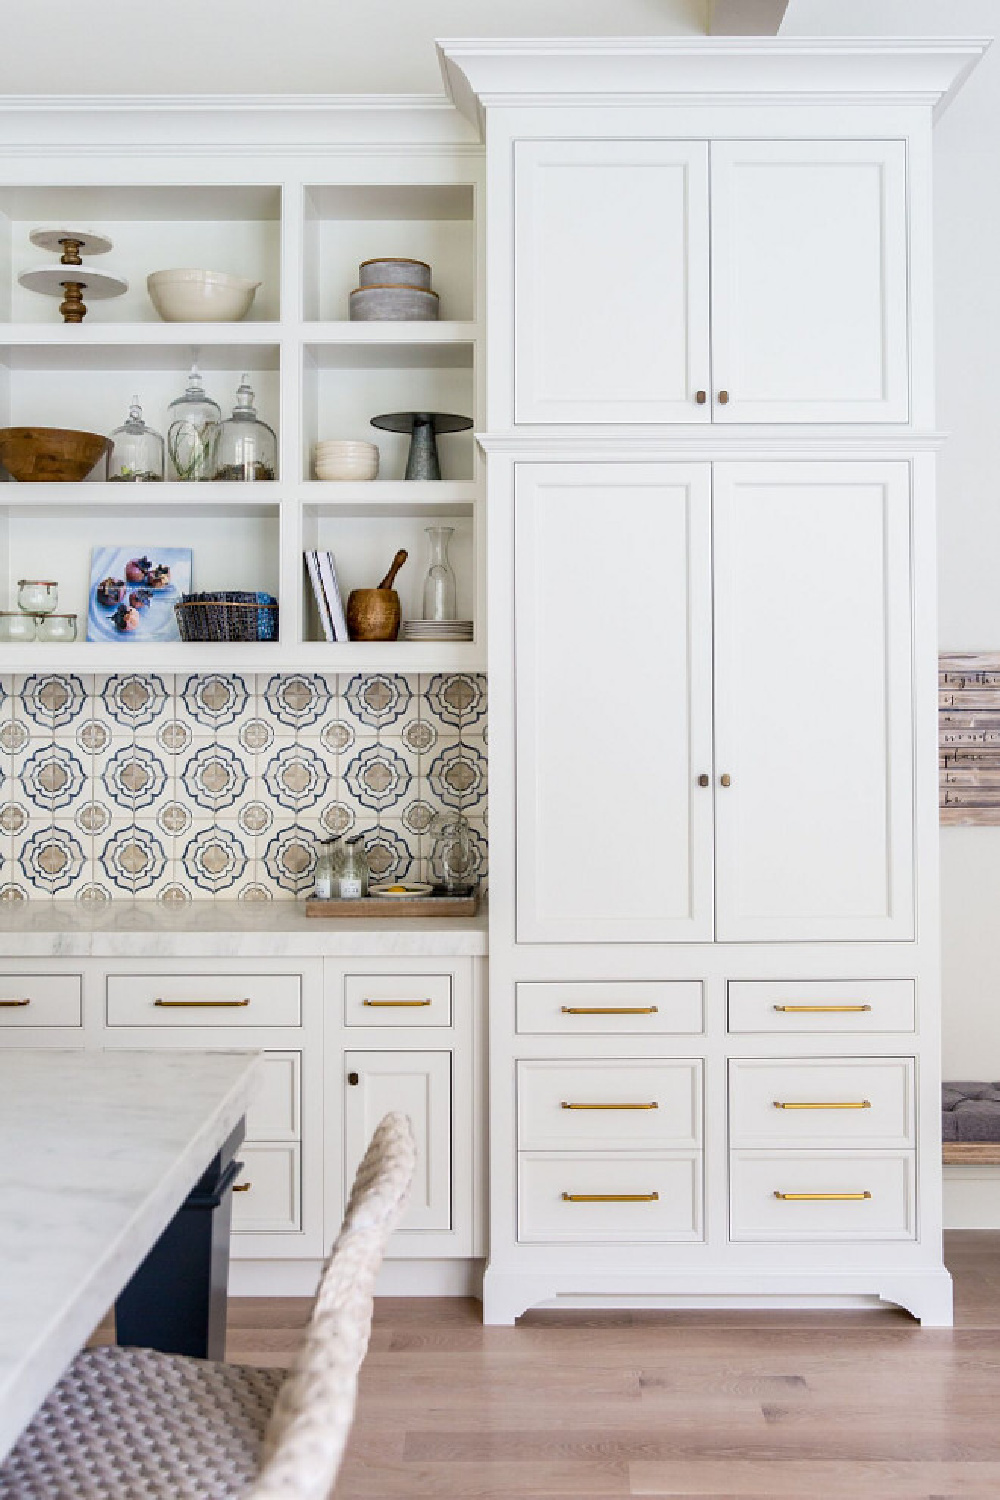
267, 1196
417, 1084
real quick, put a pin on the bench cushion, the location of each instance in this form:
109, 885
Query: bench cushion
970, 1111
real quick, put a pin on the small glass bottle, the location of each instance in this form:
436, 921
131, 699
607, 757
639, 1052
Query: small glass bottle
353, 883
439, 585
246, 448
329, 862
194, 420
137, 451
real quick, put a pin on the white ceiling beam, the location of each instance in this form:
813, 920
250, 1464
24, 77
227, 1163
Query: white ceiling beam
745, 17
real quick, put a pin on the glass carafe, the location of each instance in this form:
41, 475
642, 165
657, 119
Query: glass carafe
194, 420
246, 447
137, 451
439, 585
353, 881
453, 858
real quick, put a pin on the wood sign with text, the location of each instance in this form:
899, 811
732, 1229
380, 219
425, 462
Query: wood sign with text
969, 737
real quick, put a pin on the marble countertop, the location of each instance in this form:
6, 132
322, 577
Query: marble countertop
97, 1152
223, 929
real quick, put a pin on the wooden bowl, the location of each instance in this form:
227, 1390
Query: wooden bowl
373, 614
41, 454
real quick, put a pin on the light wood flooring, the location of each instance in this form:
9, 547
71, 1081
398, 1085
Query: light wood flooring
577, 1406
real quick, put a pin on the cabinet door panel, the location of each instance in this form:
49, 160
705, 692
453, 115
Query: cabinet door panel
612, 281
419, 1085
613, 702
809, 294
814, 837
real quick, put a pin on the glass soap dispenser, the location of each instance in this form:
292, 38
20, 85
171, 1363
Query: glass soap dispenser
246, 447
194, 421
136, 450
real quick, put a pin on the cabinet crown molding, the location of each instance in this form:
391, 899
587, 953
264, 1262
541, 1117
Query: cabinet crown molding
481, 73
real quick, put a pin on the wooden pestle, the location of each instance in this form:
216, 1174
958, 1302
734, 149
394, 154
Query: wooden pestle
397, 563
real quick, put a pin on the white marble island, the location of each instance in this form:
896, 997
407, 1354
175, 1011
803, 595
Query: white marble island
97, 1152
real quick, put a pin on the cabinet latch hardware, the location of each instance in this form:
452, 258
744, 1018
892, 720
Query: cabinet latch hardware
704, 779
723, 398
853, 1104
565, 1105
725, 779
701, 397
815, 1010
822, 1197
389, 1004
202, 1004
611, 1197
8, 1004
354, 1079
609, 1010
243, 1187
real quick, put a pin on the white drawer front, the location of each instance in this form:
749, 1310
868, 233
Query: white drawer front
590, 1008
854, 1005
844, 1214
204, 1000
850, 1102
275, 1114
40, 1000
266, 1199
615, 1105
397, 1000
572, 1199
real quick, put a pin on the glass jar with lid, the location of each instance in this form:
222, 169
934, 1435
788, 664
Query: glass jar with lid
246, 447
15, 626
57, 628
136, 451
194, 420
35, 596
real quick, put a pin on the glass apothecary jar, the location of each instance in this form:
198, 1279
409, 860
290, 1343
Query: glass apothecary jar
16, 627
246, 447
59, 629
193, 421
36, 597
136, 450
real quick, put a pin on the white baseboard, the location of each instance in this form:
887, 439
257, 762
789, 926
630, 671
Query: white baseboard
397, 1278
972, 1197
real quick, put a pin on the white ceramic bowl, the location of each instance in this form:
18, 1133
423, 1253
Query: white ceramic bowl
187, 295
344, 459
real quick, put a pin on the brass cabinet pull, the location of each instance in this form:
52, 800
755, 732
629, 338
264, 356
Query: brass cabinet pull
610, 1010
725, 779
611, 1197
701, 397
564, 1105
704, 779
354, 1079
201, 1004
723, 398
854, 1104
822, 1197
243, 1187
819, 1009
12, 1003
388, 1004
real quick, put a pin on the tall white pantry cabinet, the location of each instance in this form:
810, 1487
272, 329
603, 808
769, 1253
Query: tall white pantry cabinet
714, 991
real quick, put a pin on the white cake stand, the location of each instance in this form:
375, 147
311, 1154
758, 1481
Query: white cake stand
70, 279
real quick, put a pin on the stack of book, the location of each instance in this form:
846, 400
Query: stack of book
329, 606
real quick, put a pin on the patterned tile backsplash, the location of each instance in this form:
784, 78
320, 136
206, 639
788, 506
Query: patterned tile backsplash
188, 788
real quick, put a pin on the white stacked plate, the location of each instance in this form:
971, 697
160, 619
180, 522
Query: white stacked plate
436, 630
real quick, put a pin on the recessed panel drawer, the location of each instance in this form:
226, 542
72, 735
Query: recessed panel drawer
591, 1008
204, 1000
397, 1000
802, 1195
855, 1005
266, 1198
849, 1102
605, 1106
609, 1198
40, 1000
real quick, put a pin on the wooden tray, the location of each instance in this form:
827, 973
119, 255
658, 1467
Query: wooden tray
394, 906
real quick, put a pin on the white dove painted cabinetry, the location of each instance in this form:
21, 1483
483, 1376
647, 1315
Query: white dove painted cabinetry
714, 1020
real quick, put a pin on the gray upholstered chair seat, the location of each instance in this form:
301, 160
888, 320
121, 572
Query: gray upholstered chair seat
132, 1424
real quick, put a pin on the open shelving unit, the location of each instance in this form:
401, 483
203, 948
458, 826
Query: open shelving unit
297, 206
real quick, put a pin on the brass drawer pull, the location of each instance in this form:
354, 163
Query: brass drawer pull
819, 1009
822, 1197
388, 1004
854, 1104
201, 1004
243, 1187
564, 1105
611, 1197
10, 1004
610, 1010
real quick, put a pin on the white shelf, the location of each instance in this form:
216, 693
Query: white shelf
388, 332
262, 656
91, 497
395, 497
93, 332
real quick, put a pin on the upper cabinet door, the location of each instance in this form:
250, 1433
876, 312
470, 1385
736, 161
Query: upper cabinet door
809, 292
813, 693
611, 281
613, 651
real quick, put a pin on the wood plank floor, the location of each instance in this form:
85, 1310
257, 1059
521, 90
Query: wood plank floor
576, 1406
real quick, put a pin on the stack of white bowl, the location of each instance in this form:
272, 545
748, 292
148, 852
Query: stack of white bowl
343, 459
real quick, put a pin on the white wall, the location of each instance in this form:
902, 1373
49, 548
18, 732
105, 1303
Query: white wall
286, 46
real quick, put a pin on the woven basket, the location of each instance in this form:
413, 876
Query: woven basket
232, 616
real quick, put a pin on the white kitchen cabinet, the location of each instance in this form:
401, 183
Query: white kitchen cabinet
419, 1085
813, 701
612, 281
807, 304
612, 571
